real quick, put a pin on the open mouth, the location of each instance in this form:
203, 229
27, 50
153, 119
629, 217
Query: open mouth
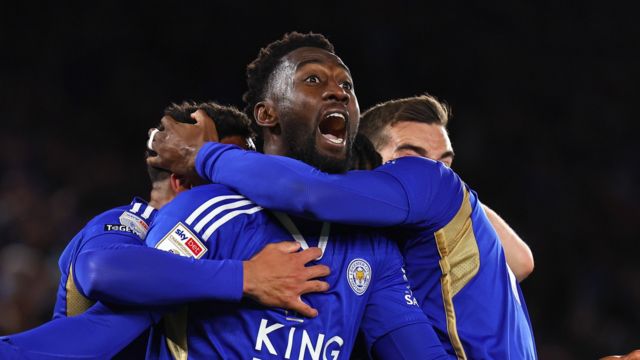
333, 127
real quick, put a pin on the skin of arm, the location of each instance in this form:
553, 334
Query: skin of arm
518, 254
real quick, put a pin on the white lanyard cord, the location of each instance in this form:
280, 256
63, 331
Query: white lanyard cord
286, 221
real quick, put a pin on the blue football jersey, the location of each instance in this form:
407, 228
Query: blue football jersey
8, 351
122, 225
453, 256
367, 284
456, 265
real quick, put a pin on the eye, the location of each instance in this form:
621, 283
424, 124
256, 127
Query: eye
347, 85
314, 79
407, 152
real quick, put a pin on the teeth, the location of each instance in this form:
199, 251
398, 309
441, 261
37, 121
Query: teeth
335, 114
331, 127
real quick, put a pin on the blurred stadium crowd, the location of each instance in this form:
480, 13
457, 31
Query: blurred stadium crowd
544, 129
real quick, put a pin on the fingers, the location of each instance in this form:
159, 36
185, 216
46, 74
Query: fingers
310, 254
206, 124
157, 136
154, 161
286, 247
301, 308
314, 286
168, 122
316, 271
200, 116
309, 287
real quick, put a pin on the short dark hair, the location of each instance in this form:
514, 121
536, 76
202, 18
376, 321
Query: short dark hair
423, 108
260, 69
364, 155
229, 122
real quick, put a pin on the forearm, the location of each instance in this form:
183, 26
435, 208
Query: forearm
283, 184
99, 333
517, 252
137, 275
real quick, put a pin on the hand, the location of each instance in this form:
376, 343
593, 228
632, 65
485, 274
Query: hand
277, 276
634, 355
178, 143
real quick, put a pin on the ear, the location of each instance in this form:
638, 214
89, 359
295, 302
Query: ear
265, 114
178, 183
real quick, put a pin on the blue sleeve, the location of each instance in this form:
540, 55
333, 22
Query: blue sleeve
370, 198
9, 351
405, 191
391, 305
99, 333
129, 273
408, 342
434, 191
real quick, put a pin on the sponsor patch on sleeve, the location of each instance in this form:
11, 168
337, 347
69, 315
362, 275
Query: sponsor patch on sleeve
181, 241
117, 227
135, 223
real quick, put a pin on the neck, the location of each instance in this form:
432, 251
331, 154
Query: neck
273, 145
160, 195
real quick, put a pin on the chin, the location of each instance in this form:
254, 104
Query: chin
324, 157
331, 163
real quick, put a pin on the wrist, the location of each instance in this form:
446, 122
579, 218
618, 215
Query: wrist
247, 286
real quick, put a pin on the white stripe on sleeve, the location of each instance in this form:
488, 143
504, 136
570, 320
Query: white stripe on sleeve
136, 207
218, 210
208, 204
226, 218
147, 212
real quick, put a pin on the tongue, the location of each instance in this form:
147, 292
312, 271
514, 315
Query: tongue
332, 138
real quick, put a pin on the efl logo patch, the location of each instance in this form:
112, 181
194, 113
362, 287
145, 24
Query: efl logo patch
181, 241
359, 275
136, 224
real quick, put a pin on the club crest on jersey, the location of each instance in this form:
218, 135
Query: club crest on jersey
359, 275
136, 224
181, 241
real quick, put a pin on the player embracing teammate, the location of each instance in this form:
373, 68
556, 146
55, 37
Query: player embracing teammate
457, 298
299, 94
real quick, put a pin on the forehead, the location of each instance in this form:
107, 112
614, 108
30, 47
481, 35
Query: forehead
300, 57
427, 135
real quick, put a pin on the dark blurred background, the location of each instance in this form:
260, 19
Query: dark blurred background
543, 93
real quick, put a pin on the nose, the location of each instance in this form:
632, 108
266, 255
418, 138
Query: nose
335, 92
